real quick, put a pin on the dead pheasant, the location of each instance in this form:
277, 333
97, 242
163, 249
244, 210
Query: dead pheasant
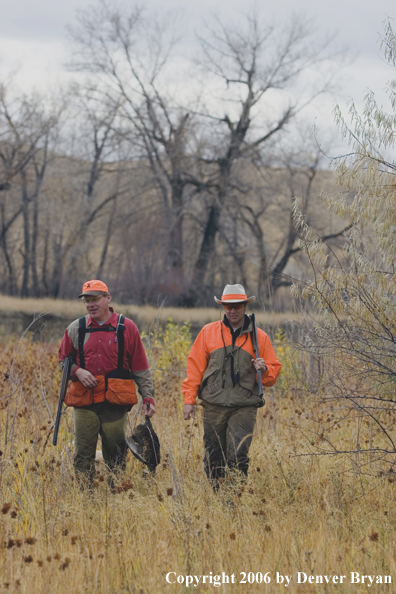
144, 445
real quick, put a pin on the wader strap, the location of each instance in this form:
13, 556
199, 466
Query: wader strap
82, 329
81, 336
120, 337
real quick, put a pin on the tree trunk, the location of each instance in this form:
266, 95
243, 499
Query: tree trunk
26, 237
175, 254
109, 232
5, 227
206, 252
33, 255
44, 280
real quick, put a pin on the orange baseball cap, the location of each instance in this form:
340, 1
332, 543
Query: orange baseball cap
93, 287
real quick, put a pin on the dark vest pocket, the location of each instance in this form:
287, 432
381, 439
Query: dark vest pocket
211, 389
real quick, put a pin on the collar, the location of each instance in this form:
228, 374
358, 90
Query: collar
112, 321
242, 329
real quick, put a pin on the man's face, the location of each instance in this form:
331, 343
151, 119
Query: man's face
98, 307
235, 313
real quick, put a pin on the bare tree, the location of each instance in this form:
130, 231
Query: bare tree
299, 161
192, 171
127, 56
97, 165
26, 129
250, 64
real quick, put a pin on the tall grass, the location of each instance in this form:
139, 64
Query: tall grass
296, 513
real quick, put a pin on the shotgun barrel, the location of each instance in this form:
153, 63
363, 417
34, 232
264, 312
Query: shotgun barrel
65, 379
256, 352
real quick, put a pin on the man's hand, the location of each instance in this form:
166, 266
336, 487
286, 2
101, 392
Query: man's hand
86, 378
149, 407
260, 364
189, 411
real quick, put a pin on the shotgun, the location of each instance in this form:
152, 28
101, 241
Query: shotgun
65, 380
256, 353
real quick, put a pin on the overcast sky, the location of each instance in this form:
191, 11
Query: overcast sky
33, 35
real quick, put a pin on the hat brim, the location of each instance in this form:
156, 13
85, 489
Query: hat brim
92, 293
227, 301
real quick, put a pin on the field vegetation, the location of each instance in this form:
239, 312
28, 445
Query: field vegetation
145, 316
313, 514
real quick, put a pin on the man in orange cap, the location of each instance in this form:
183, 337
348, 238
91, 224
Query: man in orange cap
108, 357
221, 371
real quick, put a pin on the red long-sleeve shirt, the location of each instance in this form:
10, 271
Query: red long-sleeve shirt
101, 348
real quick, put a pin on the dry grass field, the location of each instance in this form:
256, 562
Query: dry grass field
298, 516
147, 314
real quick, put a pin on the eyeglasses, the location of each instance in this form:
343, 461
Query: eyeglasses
92, 299
231, 306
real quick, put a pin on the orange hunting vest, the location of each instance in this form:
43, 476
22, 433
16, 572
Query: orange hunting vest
116, 387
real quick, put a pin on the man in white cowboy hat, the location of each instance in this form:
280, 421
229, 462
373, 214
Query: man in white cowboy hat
221, 371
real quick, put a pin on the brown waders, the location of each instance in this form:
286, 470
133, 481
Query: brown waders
228, 432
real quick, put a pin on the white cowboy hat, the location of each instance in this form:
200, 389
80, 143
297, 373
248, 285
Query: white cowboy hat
234, 294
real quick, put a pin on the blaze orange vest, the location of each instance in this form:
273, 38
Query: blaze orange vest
116, 387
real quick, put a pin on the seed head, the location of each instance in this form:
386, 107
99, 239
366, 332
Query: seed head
373, 536
65, 564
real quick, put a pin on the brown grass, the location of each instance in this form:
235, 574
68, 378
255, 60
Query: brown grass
72, 309
295, 514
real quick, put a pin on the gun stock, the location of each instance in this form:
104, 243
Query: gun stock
63, 390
